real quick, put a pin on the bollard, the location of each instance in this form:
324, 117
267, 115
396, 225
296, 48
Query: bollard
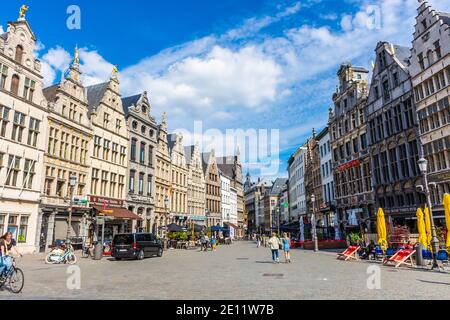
419, 257
98, 251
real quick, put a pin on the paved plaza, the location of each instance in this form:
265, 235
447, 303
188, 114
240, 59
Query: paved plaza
240, 271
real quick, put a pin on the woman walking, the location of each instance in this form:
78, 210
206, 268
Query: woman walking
275, 244
286, 248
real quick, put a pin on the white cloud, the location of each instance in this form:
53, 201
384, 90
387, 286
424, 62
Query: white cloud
94, 67
1, 29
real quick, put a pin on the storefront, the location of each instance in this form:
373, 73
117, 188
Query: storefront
116, 220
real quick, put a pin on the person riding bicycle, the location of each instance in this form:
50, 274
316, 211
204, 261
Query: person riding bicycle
7, 245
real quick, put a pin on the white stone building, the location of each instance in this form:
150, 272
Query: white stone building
225, 183
326, 172
297, 197
23, 132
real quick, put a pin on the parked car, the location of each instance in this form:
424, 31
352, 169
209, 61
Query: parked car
136, 246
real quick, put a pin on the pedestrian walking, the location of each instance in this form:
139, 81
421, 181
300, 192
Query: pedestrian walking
258, 240
275, 244
286, 241
214, 243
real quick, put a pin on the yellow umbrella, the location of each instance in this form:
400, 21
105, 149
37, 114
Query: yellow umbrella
428, 226
421, 227
381, 228
447, 218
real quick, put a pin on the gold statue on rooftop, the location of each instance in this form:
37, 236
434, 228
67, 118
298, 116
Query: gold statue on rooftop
115, 72
23, 10
76, 60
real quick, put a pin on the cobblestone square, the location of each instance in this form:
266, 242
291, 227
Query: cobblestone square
240, 271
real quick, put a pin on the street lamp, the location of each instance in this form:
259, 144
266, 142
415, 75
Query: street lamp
72, 184
423, 166
278, 223
313, 221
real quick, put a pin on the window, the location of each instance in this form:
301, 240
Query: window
134, 125
13, 171
394, 163
421, 61
118, 125
112, 189
121, 186
133, 149
28, 91
97, 146
363, 141
22, 237
28, 174
18, 126
15, 84
4, 118
3, 76
386, 93
123, 151
142, 153
94, 183
19, 54
106, 149
104, 182
33, 132
141, 183
404, 161
115, 152
395, 79
2, 223
105, 120
132, 180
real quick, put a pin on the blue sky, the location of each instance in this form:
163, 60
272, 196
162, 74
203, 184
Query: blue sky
234, 64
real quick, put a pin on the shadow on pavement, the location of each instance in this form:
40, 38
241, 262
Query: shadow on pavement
435, 282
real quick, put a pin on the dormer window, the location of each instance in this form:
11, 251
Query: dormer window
424, 24
19, 54
15, 84
134, 125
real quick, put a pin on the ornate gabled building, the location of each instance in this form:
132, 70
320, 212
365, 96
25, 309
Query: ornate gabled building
392, 133
430, 74
352, 174
108, 191
67, 158
179, 179
23, 132
142, 159
196, 185
163, 179
213, 185
231, 167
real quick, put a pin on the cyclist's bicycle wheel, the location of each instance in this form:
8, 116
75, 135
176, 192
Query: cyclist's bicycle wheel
16, 280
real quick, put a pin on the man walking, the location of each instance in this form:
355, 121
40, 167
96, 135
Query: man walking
258, 240
275, 244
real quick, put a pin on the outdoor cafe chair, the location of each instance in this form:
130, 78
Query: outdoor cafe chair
401, 257
350, 253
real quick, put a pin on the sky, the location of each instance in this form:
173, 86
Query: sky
263, 71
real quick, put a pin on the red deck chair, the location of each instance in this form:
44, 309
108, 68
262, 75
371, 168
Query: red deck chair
401, 257
350, 253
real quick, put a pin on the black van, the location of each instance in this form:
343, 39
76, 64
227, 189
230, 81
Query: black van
136, 246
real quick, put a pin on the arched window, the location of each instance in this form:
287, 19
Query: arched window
19, 54
15, 84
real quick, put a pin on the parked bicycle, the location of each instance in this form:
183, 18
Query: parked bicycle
14, 279
60, 255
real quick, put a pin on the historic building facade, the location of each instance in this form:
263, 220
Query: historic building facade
313, 179
109, 166
430, 74
163, 179
67, 160
327, 205
297, 192
351, 164
196, 185
225, 193
213, 185
392, 133
179, 179
141, 160
231, 166
23, 131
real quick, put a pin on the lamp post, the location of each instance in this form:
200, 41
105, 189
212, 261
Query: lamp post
166, 206
278, 218
423, 166
72, 184
313, 221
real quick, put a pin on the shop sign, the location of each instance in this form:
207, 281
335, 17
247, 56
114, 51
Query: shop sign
110, 202
440, 177
349, 165
80, 201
